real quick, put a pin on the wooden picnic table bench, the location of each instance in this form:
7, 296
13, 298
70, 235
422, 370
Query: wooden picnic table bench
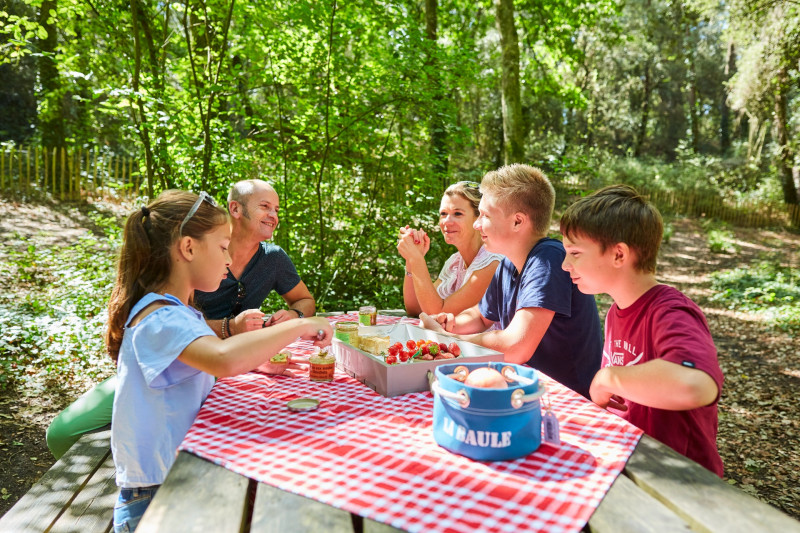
659, 491
76, 495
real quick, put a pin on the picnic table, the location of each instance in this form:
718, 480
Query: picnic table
249, 481
657, 489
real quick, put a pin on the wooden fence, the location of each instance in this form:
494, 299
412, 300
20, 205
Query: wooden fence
66, 174
77, 174
747, 213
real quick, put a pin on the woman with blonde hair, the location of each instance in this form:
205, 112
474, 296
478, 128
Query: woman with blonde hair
465, 275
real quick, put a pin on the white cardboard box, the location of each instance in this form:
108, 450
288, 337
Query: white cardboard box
402, 378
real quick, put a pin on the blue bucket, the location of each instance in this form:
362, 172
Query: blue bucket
487, 424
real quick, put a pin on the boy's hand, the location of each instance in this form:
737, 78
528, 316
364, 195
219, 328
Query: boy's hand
441, 322
602, 396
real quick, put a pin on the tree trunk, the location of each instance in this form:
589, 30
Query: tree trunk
725, 110
694, 119
786, 158
53, 128
647, 90
140, 119
513, 131
438, 147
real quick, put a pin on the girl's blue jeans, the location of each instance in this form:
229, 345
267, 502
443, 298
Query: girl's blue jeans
131, 505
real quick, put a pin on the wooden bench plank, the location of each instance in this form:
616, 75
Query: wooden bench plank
197, 496
278, 511
698, 496
371, 526
48, 499
628, 509
93, 507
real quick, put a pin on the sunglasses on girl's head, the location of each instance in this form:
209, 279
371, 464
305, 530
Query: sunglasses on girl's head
470, 184
200, 197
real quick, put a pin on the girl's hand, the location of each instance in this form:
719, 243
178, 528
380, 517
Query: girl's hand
248, 320
319, 331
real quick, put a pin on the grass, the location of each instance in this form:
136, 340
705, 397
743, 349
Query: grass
768, 289
52, 318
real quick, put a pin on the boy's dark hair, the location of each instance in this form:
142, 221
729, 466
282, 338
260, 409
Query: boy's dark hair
614, 214
522, 188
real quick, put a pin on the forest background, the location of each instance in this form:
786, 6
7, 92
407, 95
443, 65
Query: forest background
361, 113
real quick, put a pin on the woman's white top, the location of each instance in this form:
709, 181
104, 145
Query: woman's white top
454, 273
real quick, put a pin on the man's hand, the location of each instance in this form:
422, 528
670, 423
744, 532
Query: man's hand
280, 316
440, 322
248, 320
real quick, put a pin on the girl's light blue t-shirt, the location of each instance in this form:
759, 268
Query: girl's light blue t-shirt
157, 397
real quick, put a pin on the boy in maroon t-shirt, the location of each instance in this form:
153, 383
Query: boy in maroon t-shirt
659, 370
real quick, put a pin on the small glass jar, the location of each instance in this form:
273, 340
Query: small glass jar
367, 315
322, 367
347, 332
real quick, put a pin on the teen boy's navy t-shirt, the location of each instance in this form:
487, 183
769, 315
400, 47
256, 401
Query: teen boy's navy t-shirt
572, 347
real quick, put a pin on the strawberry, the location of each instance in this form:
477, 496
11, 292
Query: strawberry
411, 345
442, 347
404, 356
433, 349
426, 348
394, 350
454, 349
391, 360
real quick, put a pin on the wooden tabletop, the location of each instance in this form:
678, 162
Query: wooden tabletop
659, 491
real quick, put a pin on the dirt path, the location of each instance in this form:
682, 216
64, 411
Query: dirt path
759, 429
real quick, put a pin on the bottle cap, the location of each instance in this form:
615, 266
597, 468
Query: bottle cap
303, 404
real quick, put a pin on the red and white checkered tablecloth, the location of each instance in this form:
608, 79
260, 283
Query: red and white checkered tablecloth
376, 456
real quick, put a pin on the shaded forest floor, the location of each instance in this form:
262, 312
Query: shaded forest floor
759, 427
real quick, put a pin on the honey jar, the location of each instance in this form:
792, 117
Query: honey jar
322, 366
347, 332
367, 315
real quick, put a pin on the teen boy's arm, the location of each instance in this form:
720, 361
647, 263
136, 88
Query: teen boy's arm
658, 383
517, 342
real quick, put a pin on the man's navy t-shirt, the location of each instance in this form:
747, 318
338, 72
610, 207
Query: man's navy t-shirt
269, 269
572, 347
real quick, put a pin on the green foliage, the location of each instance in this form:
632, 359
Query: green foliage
56, 330
720, 238
768, 289
668, 231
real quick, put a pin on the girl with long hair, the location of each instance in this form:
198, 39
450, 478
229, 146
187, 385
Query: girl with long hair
167, 356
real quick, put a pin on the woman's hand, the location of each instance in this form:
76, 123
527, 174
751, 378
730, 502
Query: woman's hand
248, 320
413, 244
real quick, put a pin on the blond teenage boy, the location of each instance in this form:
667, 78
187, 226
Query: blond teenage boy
660, 368
544, 320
